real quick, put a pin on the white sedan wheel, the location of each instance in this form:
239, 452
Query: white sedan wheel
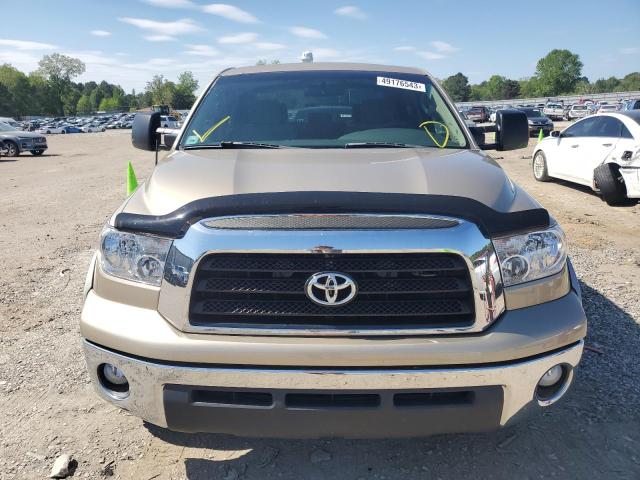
540, 167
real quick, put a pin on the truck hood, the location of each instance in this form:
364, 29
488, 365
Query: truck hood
185, 176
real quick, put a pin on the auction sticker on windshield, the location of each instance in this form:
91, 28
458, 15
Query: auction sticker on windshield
397, 83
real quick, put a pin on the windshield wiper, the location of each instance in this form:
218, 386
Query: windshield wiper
234, 144
380, 145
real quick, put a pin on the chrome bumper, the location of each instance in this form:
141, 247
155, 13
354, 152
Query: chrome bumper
147, 379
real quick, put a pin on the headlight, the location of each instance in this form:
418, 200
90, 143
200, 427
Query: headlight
530, 122
134, 257
531, 256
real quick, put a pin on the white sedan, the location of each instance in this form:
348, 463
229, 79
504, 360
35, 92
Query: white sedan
49, 130
600, 151
93, 128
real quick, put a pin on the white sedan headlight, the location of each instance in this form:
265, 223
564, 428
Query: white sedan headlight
531, 256
140, 258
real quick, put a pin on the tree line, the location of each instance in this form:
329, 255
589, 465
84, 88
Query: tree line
50, 90
557, 73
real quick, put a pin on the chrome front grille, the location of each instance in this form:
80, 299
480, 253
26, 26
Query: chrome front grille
252, 281
394, 289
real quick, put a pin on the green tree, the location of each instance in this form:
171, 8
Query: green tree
161, 90
530, 87
184, 95
43, 100
19, 88
70, 101
457, 86
558, 72
84, 105
58, 70
501, 88
630, 82
6, 102
603, 85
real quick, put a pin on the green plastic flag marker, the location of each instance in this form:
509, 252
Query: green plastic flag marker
540, 136
132, 181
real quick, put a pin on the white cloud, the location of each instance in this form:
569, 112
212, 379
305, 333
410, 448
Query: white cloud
229, 12
443, 47
171, 3
201, 50
630, 50
26, 45
304, 32
269, 46
351, 12
405, 48
178, 27
245, 37
431, 55
159, 38
100, 33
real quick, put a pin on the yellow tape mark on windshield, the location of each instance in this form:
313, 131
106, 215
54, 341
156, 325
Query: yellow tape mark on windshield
433, 122
206, 134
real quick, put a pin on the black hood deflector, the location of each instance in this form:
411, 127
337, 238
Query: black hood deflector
175, 224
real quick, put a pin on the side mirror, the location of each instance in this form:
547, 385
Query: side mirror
478, 135
169, 136
143, 130
555, 133
512, 130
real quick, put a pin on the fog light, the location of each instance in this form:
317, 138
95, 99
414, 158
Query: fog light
553, 384
113, 381
551, 377
113, 375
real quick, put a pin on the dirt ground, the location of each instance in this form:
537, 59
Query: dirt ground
51, 212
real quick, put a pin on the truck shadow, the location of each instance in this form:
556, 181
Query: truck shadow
594, 432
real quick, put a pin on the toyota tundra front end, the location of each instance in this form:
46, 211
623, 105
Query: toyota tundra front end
326, 252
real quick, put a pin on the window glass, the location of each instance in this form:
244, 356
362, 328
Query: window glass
625, 132
580, 129
607, 127
324, 109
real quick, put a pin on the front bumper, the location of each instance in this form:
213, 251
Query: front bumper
536, 129
27, 146
631, 176
455, 399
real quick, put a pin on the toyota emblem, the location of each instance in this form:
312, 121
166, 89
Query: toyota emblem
331, 289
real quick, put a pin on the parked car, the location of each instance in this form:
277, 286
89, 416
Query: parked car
606, 107
169, 121
245, 298
632, 105
478, 114
554, 111
52, 129
577, 111
601, 152
537, 121
18, 141
12, 122
93, 128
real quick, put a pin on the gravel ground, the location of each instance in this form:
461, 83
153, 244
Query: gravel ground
51, 213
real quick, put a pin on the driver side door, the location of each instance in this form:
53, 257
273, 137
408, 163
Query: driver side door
569, 148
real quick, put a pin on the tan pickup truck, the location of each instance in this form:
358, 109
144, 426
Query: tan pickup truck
326, 251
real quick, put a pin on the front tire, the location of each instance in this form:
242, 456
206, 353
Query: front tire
36, 152
610, 183
12, 149
539, 164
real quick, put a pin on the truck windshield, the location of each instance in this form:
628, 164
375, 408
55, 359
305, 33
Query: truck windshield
324, 109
